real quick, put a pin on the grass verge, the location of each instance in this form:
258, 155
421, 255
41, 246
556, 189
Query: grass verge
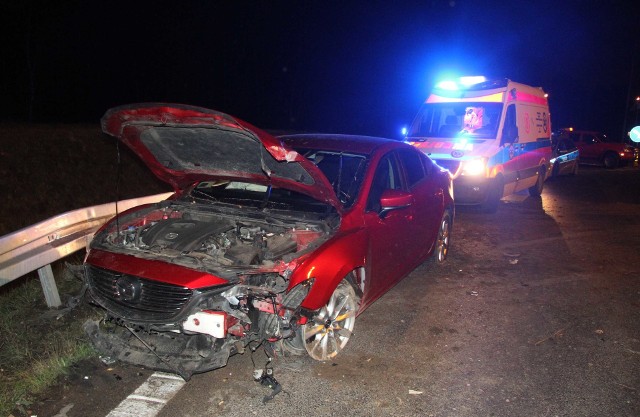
38, 344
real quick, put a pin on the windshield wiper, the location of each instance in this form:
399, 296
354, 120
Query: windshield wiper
203, 195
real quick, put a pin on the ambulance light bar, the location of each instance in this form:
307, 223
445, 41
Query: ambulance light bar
461, 83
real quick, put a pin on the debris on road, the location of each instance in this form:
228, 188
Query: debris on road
558, 333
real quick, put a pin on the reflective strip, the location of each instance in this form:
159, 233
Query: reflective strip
150, 397
491, 98
527, 98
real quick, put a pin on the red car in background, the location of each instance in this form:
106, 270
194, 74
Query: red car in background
275, 240
596, 148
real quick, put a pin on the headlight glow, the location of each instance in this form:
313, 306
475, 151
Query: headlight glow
474, 167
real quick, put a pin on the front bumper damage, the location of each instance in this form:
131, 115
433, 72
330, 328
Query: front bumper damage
212, 326
177, 353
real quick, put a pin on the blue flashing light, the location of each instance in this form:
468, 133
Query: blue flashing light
447, 85
472, 80
404, 131
460, 83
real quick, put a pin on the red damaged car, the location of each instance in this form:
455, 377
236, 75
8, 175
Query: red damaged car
279, 240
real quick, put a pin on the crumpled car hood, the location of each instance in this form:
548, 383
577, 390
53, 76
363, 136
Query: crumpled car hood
184, 144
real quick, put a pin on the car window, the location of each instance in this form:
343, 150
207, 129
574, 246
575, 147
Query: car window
575, 137
413, 167
345, 171
386, 177
589, 139
568, 144
259, 196
562, 145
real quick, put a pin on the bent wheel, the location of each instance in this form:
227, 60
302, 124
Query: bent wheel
327, 333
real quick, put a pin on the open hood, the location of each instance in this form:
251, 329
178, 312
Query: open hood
185, 144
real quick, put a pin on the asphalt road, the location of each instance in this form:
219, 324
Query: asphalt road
536, 313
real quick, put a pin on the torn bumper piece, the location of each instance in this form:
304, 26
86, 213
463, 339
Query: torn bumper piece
169, 352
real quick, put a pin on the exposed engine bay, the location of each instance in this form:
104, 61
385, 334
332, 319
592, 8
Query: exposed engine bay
165, 326
214, 238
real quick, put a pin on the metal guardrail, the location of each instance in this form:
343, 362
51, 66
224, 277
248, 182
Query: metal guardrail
36, 247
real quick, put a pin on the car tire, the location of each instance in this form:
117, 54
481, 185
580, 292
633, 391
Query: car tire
443, 240
536, 190
496, 190
611, 160
574, 171
331, 327
555, 172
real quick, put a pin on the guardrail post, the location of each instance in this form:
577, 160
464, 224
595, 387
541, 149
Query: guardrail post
49, 286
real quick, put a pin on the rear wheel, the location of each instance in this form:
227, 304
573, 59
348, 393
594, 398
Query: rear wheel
536, 190
443, 239
574, 171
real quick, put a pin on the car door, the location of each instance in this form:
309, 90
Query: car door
428, 202
390, 232
589, 146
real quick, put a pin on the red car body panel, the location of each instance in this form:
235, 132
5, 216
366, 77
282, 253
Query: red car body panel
128, 122
154, 270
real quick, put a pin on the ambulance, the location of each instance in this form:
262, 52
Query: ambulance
494, 137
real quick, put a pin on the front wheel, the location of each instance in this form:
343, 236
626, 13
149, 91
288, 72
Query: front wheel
496, 189
329, 330
444, 238
536, 190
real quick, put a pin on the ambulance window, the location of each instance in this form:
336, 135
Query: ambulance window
510, 129
412, 166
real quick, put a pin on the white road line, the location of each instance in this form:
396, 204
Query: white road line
149, 398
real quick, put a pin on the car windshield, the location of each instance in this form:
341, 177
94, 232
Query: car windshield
453, 120
344, 170
259, 196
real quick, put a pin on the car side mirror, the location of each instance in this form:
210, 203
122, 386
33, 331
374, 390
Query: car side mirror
394, 200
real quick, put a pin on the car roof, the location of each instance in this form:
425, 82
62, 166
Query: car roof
337, 142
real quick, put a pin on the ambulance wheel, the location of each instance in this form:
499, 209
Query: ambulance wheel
493, 197
536, 190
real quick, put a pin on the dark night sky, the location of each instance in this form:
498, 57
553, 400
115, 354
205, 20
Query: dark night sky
333, 66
